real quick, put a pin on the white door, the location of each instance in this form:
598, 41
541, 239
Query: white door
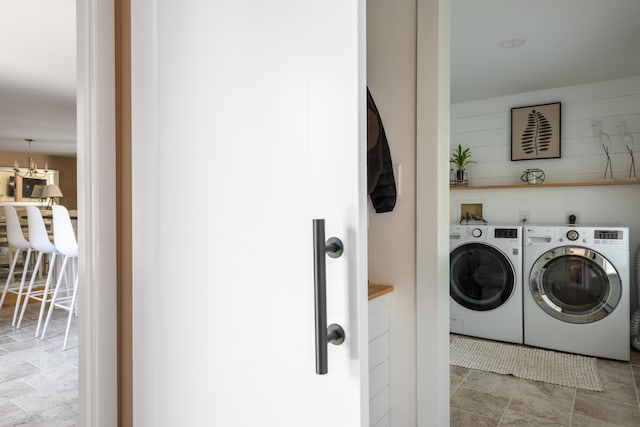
248, 123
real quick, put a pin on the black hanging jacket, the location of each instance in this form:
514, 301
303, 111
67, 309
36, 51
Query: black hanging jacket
381, 183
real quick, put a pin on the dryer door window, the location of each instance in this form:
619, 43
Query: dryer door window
481, 277
575, 284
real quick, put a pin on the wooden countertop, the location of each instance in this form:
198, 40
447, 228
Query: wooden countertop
376, 290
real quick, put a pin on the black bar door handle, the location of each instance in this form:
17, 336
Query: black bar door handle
333, 334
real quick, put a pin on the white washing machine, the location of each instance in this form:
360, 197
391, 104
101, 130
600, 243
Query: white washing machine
577, 294
485, 286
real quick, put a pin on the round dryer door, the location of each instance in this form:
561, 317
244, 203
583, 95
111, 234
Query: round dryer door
481, 276
575, 284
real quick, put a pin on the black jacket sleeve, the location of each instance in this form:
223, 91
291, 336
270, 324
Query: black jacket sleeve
381, 182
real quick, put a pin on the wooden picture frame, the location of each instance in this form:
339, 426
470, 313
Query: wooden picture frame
535, 132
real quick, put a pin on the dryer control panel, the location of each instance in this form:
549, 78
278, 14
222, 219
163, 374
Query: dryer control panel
608, 235
592, 235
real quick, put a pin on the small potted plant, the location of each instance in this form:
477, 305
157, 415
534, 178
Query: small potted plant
461, 158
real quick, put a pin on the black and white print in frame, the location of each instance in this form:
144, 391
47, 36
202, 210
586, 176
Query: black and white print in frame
535, 132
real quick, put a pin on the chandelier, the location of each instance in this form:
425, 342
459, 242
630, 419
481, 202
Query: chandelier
32, 169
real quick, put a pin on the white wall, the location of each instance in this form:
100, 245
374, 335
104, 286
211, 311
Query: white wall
484, 126
391, 65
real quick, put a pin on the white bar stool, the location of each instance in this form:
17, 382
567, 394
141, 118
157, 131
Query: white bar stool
16, 240
39, 239
64, 239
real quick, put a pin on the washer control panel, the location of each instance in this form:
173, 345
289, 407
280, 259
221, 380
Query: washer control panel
506, 233
476, 232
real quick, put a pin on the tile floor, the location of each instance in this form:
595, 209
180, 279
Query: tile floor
486, 399
38, 381
39, 387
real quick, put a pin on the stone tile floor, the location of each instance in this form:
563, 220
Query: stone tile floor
38, 381
485, 399
39, 387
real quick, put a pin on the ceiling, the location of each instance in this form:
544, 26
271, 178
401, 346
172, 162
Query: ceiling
38, 75
567, 42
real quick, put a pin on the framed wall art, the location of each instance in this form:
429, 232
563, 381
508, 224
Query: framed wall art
535, 132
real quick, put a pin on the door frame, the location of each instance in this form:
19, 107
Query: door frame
432, 219
97, 240
97, 208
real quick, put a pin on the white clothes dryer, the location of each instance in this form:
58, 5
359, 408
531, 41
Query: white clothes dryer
485, 285
577, 295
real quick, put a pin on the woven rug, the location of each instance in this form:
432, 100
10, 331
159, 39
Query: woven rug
552, 367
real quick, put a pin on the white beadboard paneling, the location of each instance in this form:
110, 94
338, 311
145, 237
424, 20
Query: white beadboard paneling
485, 121
378, 350
605, 107
488, 137
380, 302
378, 379
577, 147
379, 406
473, 108
491, 153
384, 422
379, 363
379, 322
484, 126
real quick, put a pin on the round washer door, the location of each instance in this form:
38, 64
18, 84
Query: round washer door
575, 284
481, 276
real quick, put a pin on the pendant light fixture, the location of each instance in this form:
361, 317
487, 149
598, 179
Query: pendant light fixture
32, 168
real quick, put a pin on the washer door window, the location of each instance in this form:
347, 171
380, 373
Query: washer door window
575, 284
482, 277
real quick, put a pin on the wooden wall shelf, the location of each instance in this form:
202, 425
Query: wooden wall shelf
377, 290
549, 185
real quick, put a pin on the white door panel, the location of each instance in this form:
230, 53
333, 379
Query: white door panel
247, 124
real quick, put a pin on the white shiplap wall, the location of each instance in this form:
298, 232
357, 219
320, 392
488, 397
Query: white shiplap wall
485, 127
